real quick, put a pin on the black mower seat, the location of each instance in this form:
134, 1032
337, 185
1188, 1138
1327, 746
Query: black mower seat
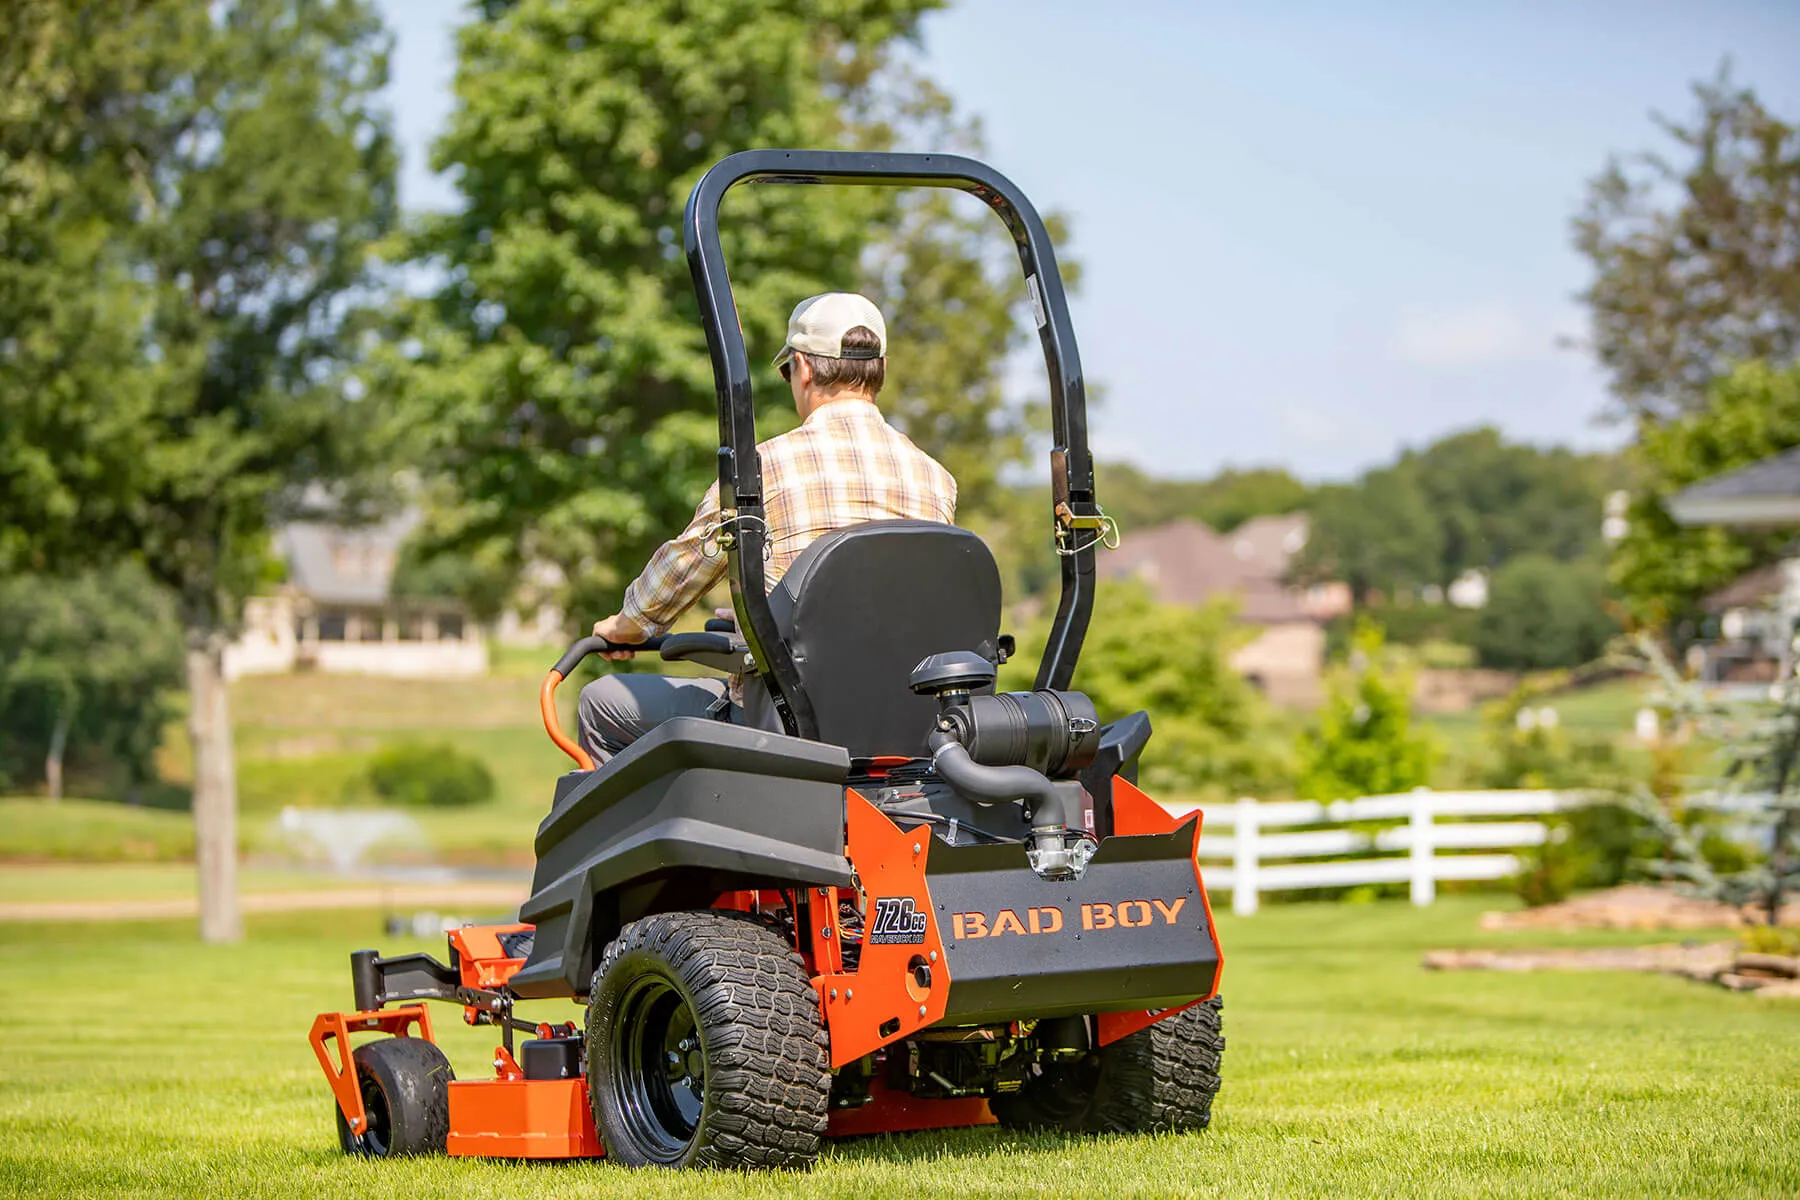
861, 606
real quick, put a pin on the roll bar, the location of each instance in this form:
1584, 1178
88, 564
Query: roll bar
741, 498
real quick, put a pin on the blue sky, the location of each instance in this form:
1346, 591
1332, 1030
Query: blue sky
1310, 233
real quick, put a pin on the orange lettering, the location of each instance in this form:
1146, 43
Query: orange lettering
1171, 911
1125, 911
971, 925
1097, 916
1052, 919
1008, 922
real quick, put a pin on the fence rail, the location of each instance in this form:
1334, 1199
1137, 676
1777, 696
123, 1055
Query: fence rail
1415, 850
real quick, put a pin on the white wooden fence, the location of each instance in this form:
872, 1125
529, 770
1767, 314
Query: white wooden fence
1420, 852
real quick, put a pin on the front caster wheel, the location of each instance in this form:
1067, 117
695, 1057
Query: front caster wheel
705, 1046
405, 1084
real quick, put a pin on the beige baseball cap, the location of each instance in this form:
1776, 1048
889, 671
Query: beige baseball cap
819, 324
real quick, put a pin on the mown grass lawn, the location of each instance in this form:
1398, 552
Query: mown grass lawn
135, 1062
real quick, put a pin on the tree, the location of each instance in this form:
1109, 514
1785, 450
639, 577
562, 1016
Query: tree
1759, 780
85, 662
215, 177
1212, 730
1542, 613
1696, 259
1469, 501
1364, 744
1378, 535
560, 370
1663, 570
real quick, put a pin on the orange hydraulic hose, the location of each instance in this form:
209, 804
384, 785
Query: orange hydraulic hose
552, 726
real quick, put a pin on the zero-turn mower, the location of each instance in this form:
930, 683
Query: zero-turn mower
918, 904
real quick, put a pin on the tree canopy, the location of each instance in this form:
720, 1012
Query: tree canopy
559, 370
1695, 253
85, 666
1224, 500
1471, 500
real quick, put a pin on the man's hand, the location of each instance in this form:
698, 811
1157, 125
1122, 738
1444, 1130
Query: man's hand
620, 630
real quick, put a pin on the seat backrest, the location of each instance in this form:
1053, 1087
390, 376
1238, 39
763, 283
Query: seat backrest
861, 606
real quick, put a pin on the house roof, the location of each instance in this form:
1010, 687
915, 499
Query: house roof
334, 564
1753, 589
1270, 543
1185, 562
1765, 493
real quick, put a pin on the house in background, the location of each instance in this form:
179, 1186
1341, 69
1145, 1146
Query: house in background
1743, 642
335, 612
1186, 562
1757, 610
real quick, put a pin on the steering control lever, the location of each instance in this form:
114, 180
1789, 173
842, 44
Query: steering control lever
572, 658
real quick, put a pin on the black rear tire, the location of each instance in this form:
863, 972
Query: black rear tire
705, 1046
1163, 1077
405, 1083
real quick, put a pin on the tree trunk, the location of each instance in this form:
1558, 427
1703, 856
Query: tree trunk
53, 761
215, 787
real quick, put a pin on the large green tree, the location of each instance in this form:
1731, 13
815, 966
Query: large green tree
560, 368
1696, 253
205, 181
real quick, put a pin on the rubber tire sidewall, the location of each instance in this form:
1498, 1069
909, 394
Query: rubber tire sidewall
413, 1077
722, 1138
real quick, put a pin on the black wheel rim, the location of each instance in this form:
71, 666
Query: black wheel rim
379, 1135
659, 1068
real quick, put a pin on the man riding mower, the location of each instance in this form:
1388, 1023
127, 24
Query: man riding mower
900, 902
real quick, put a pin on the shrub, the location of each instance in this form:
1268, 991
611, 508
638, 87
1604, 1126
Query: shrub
1542, 612
1526, 745
1364, 744
1589, 847
430, 775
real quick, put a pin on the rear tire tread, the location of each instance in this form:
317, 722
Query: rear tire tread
768, 1076
1164, 1077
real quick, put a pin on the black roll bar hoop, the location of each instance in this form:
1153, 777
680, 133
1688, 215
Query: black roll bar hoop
740, 472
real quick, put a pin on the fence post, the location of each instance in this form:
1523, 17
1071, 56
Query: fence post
1424, 883
1243, 861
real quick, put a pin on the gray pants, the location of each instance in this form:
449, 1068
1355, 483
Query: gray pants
617, 710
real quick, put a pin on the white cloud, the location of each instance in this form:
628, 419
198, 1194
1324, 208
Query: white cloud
1471, 336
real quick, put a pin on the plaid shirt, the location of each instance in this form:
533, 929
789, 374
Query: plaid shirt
844, 466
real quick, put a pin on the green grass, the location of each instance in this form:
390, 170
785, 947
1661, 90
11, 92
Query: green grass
92, 831
138, 1063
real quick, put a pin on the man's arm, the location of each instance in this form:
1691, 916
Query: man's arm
679, 573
